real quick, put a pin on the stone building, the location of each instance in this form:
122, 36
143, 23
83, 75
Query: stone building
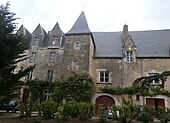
111, 58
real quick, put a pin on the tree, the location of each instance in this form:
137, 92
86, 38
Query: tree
78, 87
12, 47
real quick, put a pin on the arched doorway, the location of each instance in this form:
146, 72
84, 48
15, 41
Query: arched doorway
105, 100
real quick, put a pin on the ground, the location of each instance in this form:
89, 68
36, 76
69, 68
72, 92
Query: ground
15, 118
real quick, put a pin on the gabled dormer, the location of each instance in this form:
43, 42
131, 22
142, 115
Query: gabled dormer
129, 48
24, 32
39, 35
57, 37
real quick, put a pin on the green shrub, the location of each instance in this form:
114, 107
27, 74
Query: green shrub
26, 109
85, 110
102, 114
49, 108
69, 110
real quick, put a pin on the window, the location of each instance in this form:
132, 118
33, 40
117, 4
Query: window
33, 57
36, 41
74, 65
56, 41
52, 56
129, 57
137, 97
77, 45
155, 81
49, 75
30, 75
47, 95
104, 76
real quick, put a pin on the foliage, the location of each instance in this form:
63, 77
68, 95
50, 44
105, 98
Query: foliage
69, 110
85, 110
78, 87
141, 86
12, 52
26, 109
37, 88
127, 112
73, 109
102, 114
58, 92
49, 108
147, 113
163, 114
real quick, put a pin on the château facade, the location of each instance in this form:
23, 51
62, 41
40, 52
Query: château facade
111, 58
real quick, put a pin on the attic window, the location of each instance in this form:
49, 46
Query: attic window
55, 37
129, 56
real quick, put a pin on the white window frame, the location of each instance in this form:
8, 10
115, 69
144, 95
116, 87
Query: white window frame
129, 56
154, 82
105, 77
47, 95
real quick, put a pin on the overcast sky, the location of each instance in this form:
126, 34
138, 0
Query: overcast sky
101, 15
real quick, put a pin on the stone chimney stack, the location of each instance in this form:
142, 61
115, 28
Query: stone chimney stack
125, 32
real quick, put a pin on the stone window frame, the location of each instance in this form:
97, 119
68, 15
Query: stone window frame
52, 56
33, 56
129, 56
154, 73
30, 75
50, 75
47, 95
77, 45
99, 76
74, 65
36, 40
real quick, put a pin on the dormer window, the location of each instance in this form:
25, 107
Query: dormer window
36, 40
55, 38
129, 56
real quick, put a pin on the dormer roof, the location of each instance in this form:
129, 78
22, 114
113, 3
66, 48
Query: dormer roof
56, 29
23, 31
80, 26
39, 30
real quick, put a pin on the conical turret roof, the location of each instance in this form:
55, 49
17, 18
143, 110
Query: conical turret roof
80, 26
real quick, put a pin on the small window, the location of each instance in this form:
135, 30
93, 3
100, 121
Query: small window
155, 81
47, 95
55, 38
33, 57
137, 97
50, 75
104, 76
74, 65
129, 56
30, 75
52, 56
36, 41
77, 45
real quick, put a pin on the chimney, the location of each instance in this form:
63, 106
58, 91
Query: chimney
125, 32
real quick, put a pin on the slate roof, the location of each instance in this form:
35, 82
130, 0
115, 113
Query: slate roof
56, 30
39, 30
155, 43
80, 26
